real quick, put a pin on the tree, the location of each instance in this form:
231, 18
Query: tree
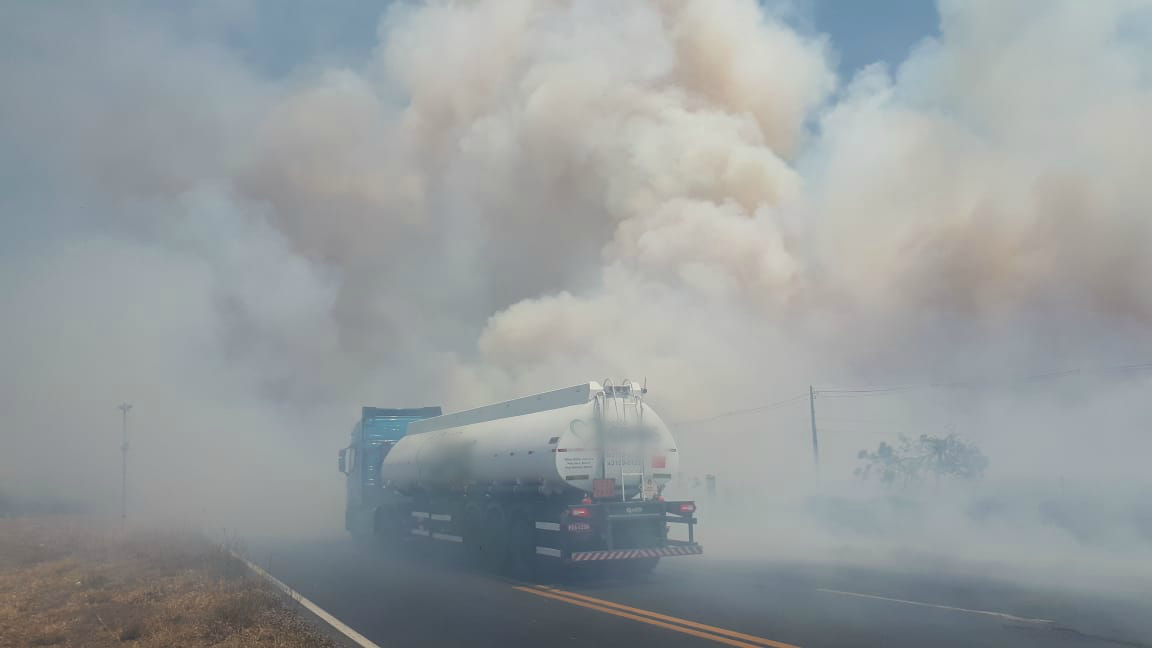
911, 461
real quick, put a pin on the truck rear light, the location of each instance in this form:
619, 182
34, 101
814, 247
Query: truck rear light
579, 511
687, 507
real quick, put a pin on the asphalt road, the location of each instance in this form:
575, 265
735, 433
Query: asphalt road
432, 599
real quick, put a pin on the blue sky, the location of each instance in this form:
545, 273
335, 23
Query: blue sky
276, 35
866, 31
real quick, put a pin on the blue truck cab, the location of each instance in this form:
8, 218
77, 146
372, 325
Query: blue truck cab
372, 438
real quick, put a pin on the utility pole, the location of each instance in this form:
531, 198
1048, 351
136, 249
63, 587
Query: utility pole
815, 441
124, 407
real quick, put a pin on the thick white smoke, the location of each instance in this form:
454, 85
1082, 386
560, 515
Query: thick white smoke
509, 196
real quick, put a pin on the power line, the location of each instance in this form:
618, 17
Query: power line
750, 410
838, 419
848, 431
873, 390
864, 391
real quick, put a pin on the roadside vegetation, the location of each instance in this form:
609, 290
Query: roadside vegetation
68, 581
913, 462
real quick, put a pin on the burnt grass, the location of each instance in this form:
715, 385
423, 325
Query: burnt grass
71, 581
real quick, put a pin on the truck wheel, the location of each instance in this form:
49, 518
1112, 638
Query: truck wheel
492, 542
381, 526
640, 566
473, 531
389, 525
521, 553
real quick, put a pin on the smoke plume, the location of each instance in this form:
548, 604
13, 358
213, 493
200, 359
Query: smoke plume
503, 197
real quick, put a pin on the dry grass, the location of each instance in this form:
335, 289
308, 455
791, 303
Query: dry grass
73, 582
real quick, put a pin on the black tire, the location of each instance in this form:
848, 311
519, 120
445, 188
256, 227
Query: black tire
640, 566
473, 531
491, 547
389, 525
520, 561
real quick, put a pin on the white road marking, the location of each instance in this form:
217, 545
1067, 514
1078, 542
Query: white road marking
336, 624
1002, 615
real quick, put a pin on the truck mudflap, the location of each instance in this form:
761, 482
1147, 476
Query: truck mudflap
630, 554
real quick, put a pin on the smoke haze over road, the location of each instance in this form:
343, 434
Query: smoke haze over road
504, 197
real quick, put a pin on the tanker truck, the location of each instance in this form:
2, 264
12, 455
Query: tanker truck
568, 477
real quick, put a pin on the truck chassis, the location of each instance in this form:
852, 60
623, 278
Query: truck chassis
515, 536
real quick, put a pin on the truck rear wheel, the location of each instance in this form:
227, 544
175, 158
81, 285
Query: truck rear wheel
490, 544
640, 566
474, 535
521, 547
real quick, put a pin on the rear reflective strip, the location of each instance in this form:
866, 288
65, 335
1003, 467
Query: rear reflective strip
420, 532
418, 514
637, 553
447, 536
548, 551
548, 526
443, 517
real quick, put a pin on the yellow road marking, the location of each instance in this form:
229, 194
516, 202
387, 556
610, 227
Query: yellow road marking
692, 624
712, 633
635, 617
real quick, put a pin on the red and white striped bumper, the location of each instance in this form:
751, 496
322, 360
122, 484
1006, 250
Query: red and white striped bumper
627, 554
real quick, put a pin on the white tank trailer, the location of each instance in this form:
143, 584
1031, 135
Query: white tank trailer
551, 442
568, 476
